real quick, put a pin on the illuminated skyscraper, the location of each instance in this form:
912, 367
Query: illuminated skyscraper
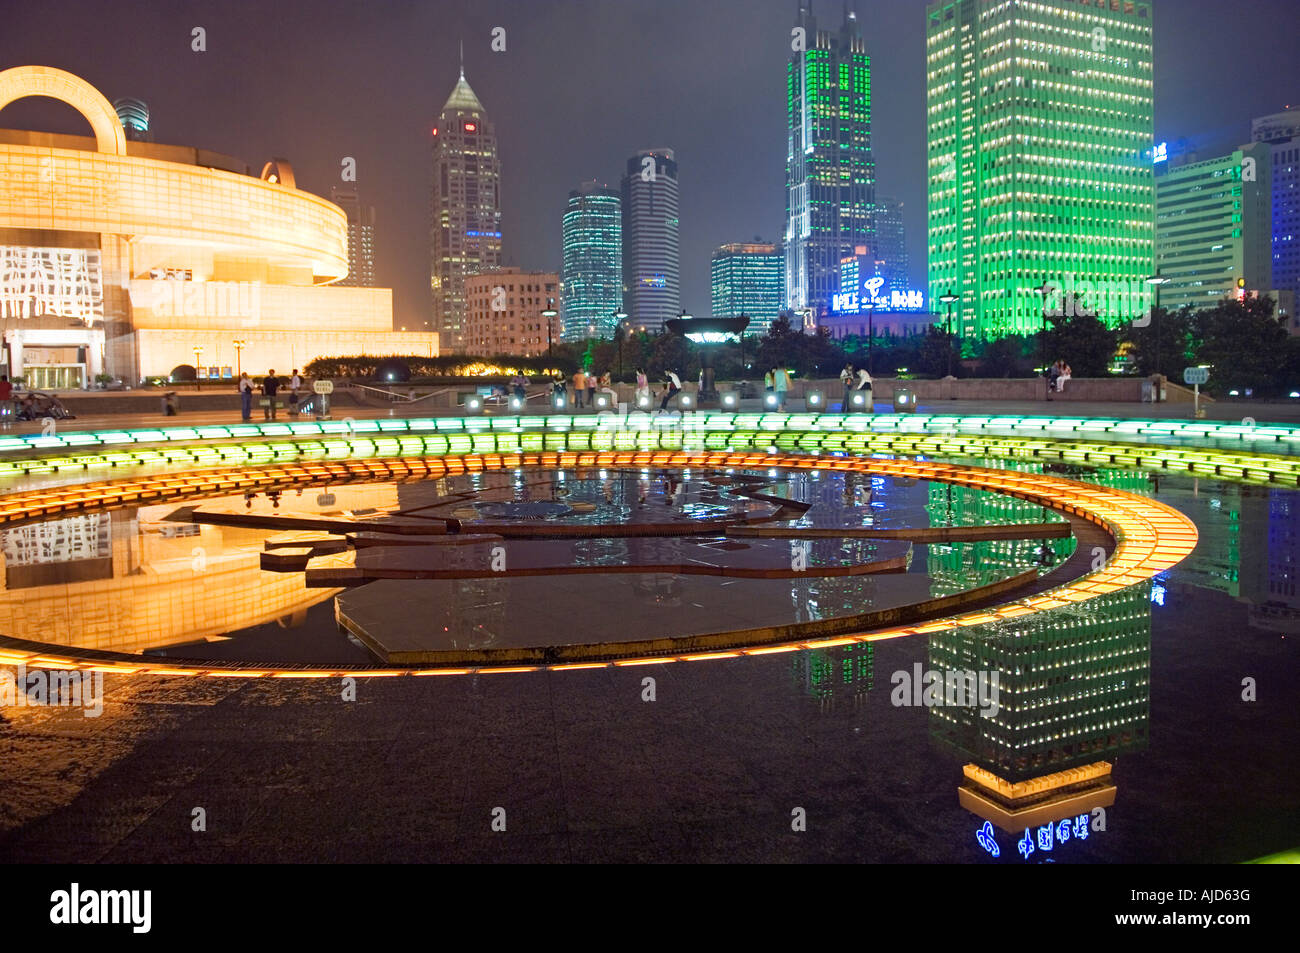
830, 174
651, 261
593, 261
134, 116
361, 237
888, 244
1214, 228
747, 279
466, 232
1039, 158
1282, 132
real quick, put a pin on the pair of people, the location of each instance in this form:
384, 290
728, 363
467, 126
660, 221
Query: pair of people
1057, 375
776, 381
856, 382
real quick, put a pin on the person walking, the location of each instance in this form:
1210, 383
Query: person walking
591, 388
781, 382
270, 385
6, 397
674, 387
846, 380
579, 386
863, 386
246, 396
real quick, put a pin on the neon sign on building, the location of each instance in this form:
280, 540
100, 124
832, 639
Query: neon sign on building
853, 303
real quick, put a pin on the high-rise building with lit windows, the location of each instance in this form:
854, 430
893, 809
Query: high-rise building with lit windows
466, 233
888, 244
361, 236
134, 116
830, 174
1282, 132
651, 259
1214, 228
748, 278
1039, 156
592, 261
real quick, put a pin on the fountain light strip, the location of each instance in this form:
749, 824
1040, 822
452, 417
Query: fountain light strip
1286, 438
1234, 465
1151, 537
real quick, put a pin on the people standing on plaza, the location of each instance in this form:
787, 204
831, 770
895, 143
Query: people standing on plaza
579, 387
863, 386
846, 380
591, 388
674, 386
295, 385
6, 396
781, 383
769, 382
642, 387
246, 396
270, 385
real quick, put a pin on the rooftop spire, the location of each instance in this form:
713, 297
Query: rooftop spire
462, 58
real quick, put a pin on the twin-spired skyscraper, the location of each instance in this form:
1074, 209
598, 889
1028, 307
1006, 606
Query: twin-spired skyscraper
466, 234
830, 175
1039, 117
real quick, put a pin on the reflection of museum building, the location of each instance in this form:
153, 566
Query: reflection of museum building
131, 258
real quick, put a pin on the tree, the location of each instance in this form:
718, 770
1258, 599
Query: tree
1174, 330
1245, 344
938, 351
1079, 338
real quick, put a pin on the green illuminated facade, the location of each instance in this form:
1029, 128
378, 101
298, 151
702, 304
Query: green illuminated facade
830, 173
748, 279
1039, 117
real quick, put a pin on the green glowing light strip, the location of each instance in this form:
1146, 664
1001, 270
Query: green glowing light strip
1116, 428
1233, 465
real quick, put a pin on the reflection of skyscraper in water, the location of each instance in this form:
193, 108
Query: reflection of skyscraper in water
1073, 686
1268, 571
837, 677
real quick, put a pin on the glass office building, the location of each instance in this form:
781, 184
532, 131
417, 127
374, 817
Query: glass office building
748, 279
592, 262
1039, 153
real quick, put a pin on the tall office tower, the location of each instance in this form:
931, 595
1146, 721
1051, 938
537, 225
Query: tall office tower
134, 116
888, 244
1282, 132
361, 236
829, 172
748, 279
1039, 116
466, 208
1213, 228
592, 262
651, 262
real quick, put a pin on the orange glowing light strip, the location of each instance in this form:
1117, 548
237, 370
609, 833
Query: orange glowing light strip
1151, 537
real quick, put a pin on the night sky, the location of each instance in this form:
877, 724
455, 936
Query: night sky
581, 85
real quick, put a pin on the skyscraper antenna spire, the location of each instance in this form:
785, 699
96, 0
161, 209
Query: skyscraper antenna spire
462, 58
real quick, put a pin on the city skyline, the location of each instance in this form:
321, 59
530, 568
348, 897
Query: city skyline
722, 76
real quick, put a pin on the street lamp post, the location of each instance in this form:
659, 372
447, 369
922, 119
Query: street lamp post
948, 299
1044, 289
549, 315
198, 359
871, 339
1155, 281
620, 333
240, 344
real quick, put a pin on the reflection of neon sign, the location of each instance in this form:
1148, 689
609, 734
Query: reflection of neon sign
66, 282
1048, 836
985, 836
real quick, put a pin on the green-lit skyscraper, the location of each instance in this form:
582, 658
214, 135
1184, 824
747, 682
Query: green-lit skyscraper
1039, 116
593, 261
830, 176
748, 279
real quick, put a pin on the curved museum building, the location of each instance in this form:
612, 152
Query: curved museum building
130, 258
